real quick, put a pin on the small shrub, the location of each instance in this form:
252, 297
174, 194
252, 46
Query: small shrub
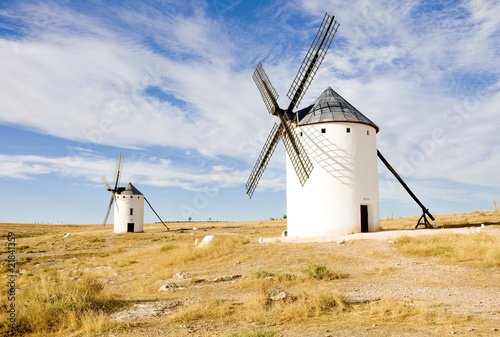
321, 272
287, 277
97, 240
124, 263
166, 247
261, 274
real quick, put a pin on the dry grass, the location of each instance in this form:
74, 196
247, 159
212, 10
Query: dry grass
444, 220
268, 332
395, 312
64, 291
50, 304
256, 307
479, 249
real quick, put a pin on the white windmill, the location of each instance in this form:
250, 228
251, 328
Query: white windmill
331, 137
129, 204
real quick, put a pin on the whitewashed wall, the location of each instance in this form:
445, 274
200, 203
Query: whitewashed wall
344, 178
122, 213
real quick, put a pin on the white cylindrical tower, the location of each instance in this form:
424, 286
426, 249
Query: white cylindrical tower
129, 210
341, 194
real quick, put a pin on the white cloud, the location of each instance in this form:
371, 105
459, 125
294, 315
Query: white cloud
79, 78
91, 88
152, 171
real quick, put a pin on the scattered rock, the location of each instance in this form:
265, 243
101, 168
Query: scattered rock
142, 311
261, 240
96, 268
67, 235
107, 280
207, 240
361, 300
278, 294
181, 276
226, 278
171, 286
341, 242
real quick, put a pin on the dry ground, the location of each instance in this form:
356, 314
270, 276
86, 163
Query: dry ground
98, 283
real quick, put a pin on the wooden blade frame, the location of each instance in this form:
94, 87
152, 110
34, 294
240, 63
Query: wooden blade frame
105, 183
116, 179
109, 208
267, 91
298, 156
313, 60
263, 160
118, 170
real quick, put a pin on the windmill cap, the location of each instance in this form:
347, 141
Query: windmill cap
331, 107
128, 190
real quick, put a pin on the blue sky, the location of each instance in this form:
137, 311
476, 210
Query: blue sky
169, 85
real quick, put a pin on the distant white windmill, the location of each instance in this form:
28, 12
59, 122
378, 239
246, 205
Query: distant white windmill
129, 204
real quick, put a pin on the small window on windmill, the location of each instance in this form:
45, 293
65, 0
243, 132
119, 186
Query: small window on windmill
131, 211
367, 132
348, 130
323, 130
131, 196
301, 133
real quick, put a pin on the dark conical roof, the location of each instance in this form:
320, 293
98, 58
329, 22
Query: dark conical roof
331, 107
128, 190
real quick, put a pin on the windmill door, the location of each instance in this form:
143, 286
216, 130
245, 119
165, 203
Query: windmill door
364, 218
130, 227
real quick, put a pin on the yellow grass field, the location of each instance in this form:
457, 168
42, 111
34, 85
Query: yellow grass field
98, 283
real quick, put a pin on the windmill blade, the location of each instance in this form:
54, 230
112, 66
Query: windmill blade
109, 208
298, 156
262, 161
118, 170
313, 60
168, 229
267, 90
105, 183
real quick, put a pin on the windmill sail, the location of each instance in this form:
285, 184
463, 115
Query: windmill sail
118, 169
313, 60
298, 156
267, 91
109, 208
116, 179
263, 160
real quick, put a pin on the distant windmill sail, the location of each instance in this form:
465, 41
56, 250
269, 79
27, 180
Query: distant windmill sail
116, 179
298, 156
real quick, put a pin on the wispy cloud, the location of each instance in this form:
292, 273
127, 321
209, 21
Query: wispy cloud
146, 171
